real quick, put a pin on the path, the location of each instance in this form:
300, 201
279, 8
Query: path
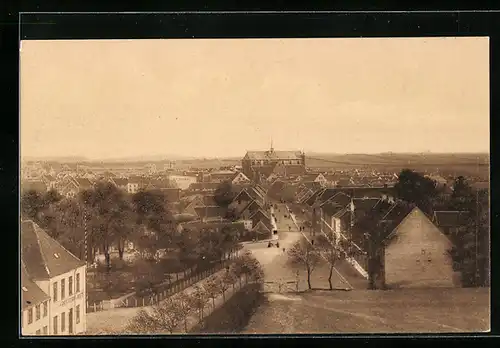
275, 262
344, 267
116, 319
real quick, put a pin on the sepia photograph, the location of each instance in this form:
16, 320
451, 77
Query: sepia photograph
254, 186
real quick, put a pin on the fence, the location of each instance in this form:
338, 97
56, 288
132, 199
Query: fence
162, 291
281, 286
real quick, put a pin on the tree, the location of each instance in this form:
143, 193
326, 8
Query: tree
332, 252
185, 306
212, 288
143, 323
69, 228
32, 203
413, 187
166, 315
224, 194
471, 242
224, 281
108, 209
151, 211
305, 254
52, 197
189, 246
199, 299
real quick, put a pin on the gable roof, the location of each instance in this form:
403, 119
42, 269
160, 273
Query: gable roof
243, 195
120, 181
44, 257
261, 228
241, 175
361, 192
203, 186
33, 185
402, 212
211, 212
83, 183
259, 212
189, 199
31, 294
48, 178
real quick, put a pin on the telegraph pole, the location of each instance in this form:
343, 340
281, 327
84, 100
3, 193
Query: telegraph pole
476, 274
85, 236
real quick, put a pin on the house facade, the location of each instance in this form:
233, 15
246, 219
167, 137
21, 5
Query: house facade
265, 163
416, 255
58, 274
35, 318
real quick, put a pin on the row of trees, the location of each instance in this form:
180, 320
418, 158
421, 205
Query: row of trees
174, 311
106, 214
309, 254
110, 217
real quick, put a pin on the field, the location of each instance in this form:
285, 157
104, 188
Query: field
365, 311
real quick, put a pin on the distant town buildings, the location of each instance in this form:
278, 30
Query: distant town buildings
265, 163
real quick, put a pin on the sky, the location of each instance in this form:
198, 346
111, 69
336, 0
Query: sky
221, 97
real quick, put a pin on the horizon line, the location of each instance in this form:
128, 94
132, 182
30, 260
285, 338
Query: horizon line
191, 157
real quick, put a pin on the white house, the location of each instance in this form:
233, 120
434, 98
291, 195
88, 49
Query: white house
34, 307
60, 275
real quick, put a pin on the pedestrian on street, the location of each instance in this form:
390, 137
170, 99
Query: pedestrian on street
289, 228
283, 250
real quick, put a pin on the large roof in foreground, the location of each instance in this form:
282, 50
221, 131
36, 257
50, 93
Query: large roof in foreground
44, 257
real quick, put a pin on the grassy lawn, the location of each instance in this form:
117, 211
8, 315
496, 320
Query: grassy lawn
365, 311
126, 276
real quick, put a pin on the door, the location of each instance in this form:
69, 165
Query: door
70, 321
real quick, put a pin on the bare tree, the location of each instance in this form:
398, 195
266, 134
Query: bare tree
199, 299
212, 288
249, 266
165, 315
143, 322
332, 252
224, 281
185, 306
305, 254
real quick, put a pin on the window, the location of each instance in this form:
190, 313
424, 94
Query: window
55, 324
45, 310
30, 315
45, 330
37, 316
63, 321
70, 286
54, 292
38, 332
77, 282
63, 288
77, 314
70, 321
